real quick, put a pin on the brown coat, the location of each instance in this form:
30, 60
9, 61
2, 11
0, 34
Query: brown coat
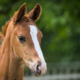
14, 54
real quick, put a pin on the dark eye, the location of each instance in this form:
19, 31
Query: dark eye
22, 39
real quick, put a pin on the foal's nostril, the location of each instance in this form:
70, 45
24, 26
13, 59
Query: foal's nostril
38, 70
38, 67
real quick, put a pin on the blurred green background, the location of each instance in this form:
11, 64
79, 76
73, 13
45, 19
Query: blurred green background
59, 23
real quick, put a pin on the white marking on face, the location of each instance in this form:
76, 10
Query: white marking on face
33, 33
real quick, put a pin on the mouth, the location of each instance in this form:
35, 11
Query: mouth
35, 73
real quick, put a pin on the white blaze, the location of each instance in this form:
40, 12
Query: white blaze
33, 33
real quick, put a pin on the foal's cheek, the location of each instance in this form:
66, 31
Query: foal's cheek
18, 50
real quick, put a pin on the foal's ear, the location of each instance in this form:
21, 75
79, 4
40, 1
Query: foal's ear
20, 13
35, 13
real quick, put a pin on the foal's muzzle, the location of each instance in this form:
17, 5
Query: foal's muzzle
39, 69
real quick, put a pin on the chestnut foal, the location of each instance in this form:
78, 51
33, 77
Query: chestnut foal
21, 44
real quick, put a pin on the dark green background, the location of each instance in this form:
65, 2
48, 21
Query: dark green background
59, 23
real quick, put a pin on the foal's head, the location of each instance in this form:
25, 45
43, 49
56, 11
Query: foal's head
26, 39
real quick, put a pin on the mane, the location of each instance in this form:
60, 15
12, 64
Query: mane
4, 30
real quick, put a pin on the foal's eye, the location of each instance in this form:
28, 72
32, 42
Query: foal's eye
22, 39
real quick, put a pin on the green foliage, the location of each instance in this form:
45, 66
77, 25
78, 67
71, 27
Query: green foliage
59, 23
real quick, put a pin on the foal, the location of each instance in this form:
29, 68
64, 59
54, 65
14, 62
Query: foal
21, 44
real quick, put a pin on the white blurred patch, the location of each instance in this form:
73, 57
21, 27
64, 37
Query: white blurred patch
33, 33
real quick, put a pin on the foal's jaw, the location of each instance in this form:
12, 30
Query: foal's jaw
37, 67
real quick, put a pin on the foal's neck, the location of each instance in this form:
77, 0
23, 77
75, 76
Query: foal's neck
16, 67
10, 67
